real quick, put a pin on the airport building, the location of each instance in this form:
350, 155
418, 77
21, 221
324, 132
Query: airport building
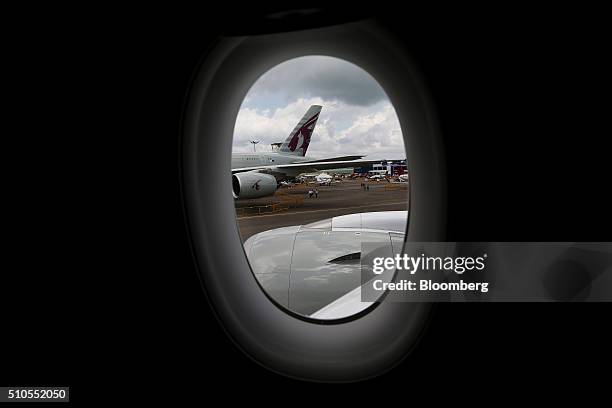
393, 168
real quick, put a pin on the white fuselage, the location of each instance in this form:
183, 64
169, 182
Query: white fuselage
242, 160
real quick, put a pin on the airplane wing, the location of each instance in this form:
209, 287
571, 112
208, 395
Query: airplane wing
339, 158
305, 167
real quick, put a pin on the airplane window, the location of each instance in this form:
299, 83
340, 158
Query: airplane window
318, 168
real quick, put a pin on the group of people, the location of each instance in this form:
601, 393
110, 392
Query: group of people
314, 193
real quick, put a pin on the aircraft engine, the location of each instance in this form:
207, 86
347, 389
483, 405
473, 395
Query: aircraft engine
252, 184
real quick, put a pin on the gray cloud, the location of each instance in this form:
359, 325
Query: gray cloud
317, 76
357, 116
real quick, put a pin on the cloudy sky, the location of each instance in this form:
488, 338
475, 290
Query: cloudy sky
357, 116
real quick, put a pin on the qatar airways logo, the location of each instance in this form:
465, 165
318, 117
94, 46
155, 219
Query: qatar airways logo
256, 185
303, 134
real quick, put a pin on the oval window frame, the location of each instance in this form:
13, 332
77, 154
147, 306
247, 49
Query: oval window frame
284, 342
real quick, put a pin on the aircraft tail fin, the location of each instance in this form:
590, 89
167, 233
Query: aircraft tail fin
299, 139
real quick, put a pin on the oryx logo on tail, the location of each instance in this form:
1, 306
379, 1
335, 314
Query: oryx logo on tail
299, 139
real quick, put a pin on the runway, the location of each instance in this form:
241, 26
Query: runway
346, 197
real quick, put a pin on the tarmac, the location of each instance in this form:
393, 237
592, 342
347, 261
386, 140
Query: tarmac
292, 206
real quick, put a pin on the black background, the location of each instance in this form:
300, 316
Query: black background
99, 285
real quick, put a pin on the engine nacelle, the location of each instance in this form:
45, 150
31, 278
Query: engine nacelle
252, 184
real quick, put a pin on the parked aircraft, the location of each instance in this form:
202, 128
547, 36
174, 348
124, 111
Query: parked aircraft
258, 174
